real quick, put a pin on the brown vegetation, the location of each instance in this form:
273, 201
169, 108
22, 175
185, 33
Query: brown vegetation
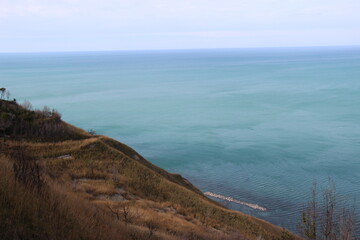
51, 212
80, 186
329, 217
20, 121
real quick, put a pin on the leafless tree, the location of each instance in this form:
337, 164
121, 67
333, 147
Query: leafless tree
114, 211
329, 221
124, 212
7, 95
27, 105
46, 111
347, 224
328, 218
2, 92
308, 226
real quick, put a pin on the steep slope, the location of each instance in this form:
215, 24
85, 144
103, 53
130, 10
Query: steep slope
133, 196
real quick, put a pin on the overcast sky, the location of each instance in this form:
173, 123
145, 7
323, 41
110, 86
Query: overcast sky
86, 25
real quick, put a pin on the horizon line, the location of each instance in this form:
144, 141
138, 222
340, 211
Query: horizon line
181, 49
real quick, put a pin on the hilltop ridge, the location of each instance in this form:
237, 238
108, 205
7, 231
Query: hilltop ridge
107, 189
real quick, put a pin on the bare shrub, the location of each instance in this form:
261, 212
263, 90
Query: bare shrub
152, 227
2, 93
55, 114
328, 218
25, 168
27, 105
46, 112
124, 213
309, 217
53, 213
8, 95
91, 131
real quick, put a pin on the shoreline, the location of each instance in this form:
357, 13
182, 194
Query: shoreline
230, 199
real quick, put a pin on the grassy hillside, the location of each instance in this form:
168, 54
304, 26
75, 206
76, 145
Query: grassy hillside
59, 182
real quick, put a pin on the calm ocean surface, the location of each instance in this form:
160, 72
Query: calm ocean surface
258, 125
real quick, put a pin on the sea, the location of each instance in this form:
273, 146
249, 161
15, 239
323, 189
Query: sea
258, 125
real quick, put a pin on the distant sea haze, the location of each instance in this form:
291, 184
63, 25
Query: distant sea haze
255, 125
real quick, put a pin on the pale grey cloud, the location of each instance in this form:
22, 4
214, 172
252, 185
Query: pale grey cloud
99, 22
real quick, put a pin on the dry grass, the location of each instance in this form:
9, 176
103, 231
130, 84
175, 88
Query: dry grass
55, 212
52, 213
91, 168
109, 191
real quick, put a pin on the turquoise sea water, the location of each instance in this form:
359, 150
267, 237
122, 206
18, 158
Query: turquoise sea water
258, 125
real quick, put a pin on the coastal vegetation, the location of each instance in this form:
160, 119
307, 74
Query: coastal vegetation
61, 182
20, 121
328, 216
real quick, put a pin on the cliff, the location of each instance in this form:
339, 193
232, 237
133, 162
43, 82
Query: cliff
60, 182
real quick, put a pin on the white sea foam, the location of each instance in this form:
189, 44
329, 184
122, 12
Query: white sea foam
230, 199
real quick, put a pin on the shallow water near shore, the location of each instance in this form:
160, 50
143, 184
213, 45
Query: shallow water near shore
256, 125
